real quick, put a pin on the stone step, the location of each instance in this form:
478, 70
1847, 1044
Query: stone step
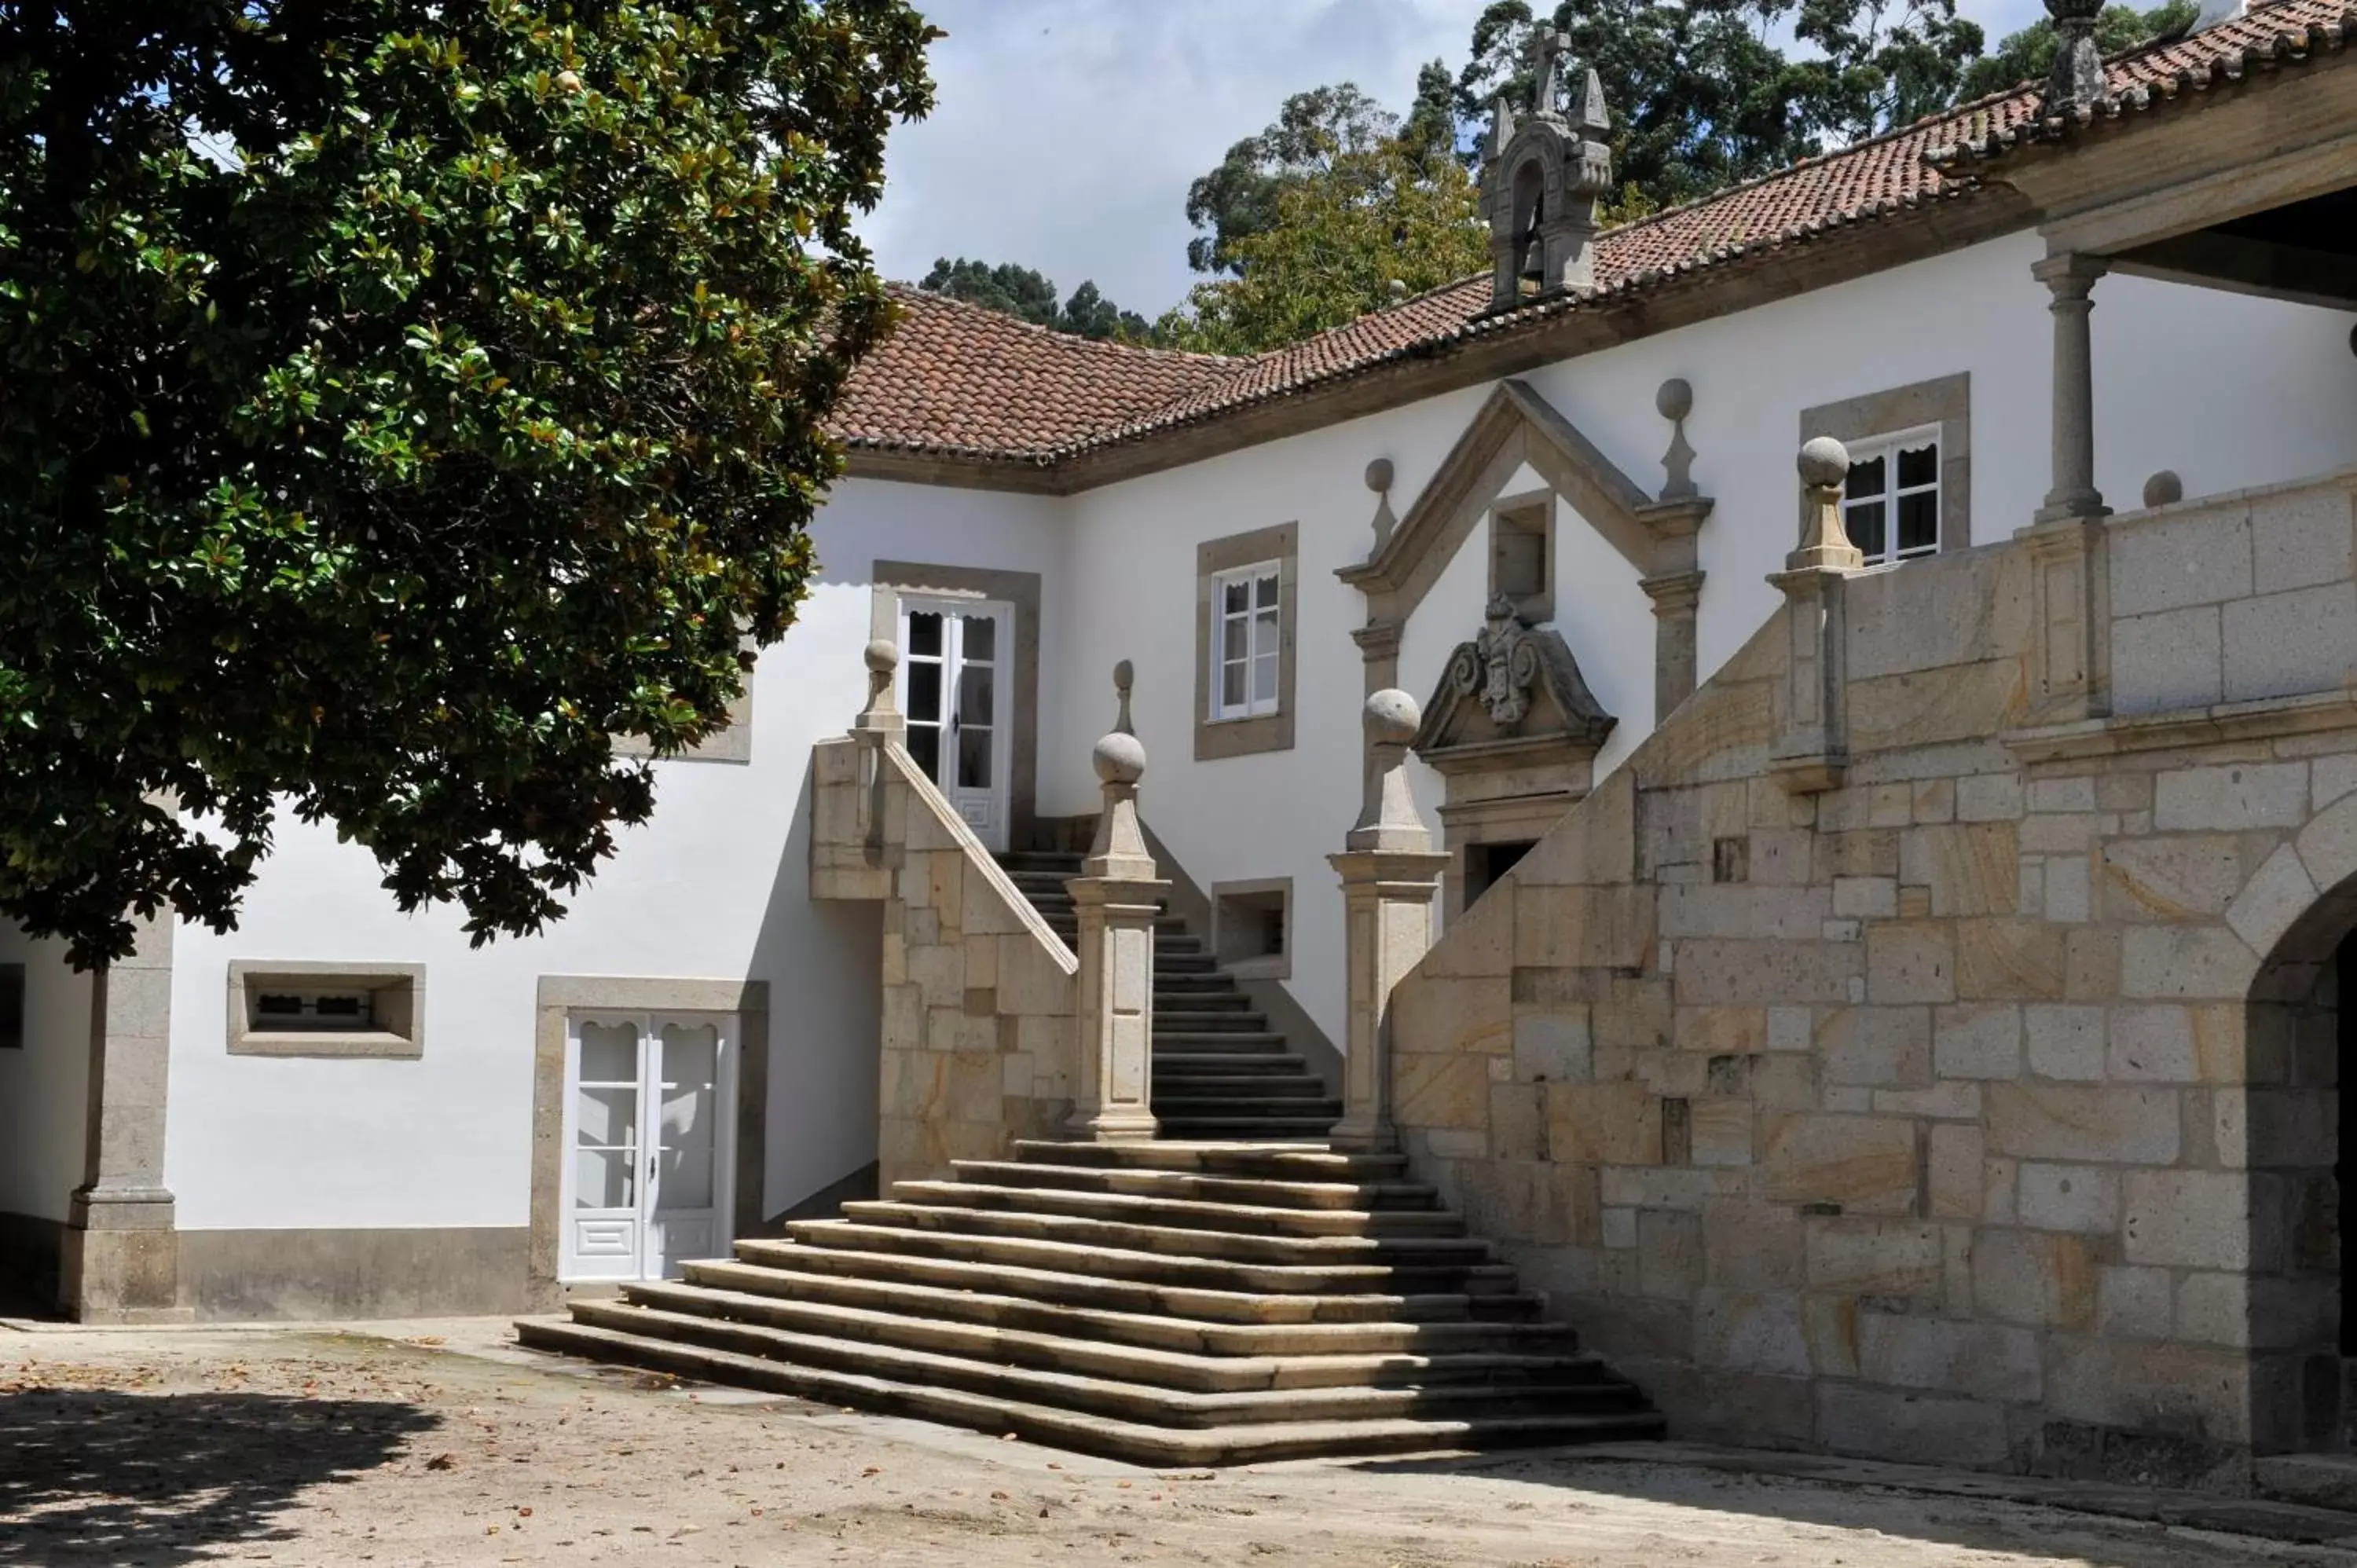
1238, 1127
1310, 1160
1195, 1035
1092, 1356
1159, 1331
1052, 1280
1134, 1442
1146, 1235
1207, 999
1257, 1063
1167, 965
1181, 1212
1199, 1020
1360, 1276
1176, 1111
1223, 1087
1258, 1191
1047, 859
1099, 1395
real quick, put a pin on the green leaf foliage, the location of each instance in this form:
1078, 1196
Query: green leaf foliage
458, 414
2028, 55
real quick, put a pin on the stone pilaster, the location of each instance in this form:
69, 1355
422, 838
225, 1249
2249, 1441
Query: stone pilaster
1676, 597
1390, 874
2070, 601
1116, 896
1811, 752
878, 725
121, 1255
2071, 280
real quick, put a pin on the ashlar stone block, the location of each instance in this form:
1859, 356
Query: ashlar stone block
1881, 1258
1972, 868
2185, 960
2186, 1218
1979, 1040
2151, 1044
2109, 1124
1909, 961
1603, 1123
2231, 797
2068, 1197
1988, 1360
1881, 1046
1865, 1164
2065, 1041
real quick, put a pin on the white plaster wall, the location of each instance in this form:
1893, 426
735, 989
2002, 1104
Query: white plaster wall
44, 1088
714, 887
2227, 390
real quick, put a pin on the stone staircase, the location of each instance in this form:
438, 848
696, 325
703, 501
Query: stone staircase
1162, 1303
1220, 1072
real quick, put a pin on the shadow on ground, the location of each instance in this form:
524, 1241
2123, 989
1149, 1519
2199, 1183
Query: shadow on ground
170, 1479
2090, 1522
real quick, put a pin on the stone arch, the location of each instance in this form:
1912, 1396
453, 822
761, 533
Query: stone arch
1527, 194
2281, 1128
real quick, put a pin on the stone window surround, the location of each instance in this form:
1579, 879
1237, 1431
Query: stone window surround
893, 578
1537, 608
1267, 966
560, 996
1944, 401
1219, 738
12, 1006
402, 1037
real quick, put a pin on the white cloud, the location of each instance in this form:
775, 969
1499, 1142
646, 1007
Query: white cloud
1067, 131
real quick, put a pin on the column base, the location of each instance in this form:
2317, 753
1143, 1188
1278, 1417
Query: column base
122, 1276
1123, 1126
1355, 1135
2088, 508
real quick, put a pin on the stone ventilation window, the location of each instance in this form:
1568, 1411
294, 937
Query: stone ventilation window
327, 1010
12, 1006
1522, 557
1251, 927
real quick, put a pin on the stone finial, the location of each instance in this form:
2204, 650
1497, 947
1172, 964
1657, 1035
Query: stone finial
883, 660
1119, 852
1824, 543
1125, 674
1673, 402
2077, 85
1379, 479
1547, 48
2164, 488
1387, 814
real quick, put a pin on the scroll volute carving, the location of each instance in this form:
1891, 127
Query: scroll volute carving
1511, 683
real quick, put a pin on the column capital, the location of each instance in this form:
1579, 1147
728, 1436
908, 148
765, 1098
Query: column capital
1673, 593
1378, 640
2070, 274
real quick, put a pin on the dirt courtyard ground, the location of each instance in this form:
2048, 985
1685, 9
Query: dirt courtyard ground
438, 1443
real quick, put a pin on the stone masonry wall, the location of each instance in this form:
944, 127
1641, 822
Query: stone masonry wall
1980, 1110
980, 997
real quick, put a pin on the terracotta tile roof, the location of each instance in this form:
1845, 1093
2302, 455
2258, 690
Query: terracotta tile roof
955, 379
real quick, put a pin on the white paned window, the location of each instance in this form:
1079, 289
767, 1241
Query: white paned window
1891, 504
1245, 641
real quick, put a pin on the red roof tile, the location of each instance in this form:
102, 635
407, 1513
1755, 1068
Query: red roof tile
956, 380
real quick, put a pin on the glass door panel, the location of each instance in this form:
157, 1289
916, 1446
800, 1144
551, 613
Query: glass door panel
646, 1185
602, 1230
954, 690
682, 1222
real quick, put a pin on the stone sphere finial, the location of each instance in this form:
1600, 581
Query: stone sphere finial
2164, 488
883, 656
1119, 759
1379, 475
1825, 464
1391, 717
1676, 399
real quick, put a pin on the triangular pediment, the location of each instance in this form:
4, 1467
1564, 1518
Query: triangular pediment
1513, 427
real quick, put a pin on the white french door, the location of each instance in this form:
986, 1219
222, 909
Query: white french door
957, 659
647, 1151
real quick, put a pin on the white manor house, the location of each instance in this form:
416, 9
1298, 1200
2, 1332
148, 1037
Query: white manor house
1743, 826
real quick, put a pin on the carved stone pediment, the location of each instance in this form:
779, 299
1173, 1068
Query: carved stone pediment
1513, 698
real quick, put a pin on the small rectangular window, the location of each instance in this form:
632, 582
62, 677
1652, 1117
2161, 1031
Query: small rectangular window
1251, 927
1245, 641
1891, 504
1522, 557
326, 1010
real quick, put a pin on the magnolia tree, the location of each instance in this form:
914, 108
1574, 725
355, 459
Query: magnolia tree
400, 401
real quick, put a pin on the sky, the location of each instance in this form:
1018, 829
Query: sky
1066, 131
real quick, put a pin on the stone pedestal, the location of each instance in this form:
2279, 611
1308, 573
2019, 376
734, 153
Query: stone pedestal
1387, 926
1117, 897
120, 1260
1390, 875
1811, 751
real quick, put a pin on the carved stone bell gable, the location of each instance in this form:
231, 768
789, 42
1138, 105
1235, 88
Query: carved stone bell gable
1541, 177
1513, 731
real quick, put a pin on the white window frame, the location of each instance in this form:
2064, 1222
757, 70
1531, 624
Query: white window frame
1887, 448
1270, 571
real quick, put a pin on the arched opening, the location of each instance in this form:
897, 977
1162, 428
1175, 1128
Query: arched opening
2288, 1129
